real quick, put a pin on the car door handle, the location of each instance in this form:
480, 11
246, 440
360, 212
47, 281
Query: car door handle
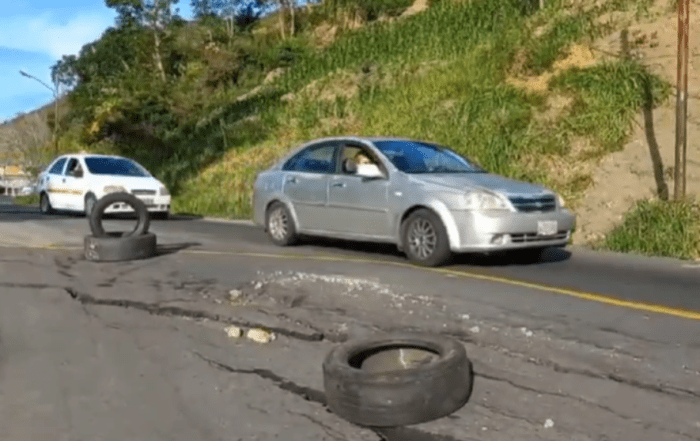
292, 180
338, 184
64, 180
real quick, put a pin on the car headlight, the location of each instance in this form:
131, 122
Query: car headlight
481, 200
164, 192
114, 189
560, 201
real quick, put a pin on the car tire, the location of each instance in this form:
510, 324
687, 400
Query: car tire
280, 225
424, 239
90, 201
161, 215
45, 204
380, 396
143, 217
114, 247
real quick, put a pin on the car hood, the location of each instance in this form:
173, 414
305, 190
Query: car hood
483, 181
129, 182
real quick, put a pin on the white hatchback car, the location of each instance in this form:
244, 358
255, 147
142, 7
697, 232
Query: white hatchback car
75, 182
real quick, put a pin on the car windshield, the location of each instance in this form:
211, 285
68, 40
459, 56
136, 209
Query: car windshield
115, 166
418, 157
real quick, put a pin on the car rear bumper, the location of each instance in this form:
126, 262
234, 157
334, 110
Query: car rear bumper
495, 231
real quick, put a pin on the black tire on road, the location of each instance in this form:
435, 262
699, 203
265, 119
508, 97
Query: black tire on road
363, 392
45, 204
143, 217
280, 225
90, 201
115, 248
160, 215
424, 239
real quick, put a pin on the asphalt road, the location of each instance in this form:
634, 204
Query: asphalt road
139, 350
666, 282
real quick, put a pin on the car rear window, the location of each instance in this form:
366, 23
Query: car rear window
115, 166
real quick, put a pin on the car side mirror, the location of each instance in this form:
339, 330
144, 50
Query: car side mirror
369, 171
78, 174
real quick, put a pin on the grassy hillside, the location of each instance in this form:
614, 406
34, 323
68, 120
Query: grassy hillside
513, 87
441, 75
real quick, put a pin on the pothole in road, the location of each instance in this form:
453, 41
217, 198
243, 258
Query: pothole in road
281, 286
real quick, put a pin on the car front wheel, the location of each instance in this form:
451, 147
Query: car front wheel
280, 225
425, 239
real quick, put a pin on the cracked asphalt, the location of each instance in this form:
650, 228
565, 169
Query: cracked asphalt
137, 350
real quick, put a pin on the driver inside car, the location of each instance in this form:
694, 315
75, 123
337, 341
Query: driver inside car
366, 166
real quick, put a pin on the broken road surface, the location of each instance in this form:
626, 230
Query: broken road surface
139, 350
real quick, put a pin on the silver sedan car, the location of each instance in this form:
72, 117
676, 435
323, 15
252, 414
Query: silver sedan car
425, 198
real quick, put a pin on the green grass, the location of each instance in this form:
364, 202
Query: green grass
606, 99
548, 47
459, 105
658, 228
443, 32
32, 199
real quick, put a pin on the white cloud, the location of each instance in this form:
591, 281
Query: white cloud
46, 34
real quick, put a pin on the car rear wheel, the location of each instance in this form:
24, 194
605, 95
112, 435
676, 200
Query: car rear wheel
45, 204
280, 225
425, 239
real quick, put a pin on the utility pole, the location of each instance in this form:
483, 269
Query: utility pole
54, 91
681, 100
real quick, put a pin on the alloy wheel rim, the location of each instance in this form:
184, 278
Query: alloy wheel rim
44, 204
279, 224
422, 238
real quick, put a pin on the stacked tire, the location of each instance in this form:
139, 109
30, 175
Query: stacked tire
119, 246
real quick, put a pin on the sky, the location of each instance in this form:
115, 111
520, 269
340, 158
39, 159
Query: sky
34, 34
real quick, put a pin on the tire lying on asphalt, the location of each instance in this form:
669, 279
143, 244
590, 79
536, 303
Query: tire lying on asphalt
397, 379
115, 247
143, 217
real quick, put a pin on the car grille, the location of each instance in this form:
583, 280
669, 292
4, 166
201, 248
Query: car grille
529, 205
533, 237
143, 192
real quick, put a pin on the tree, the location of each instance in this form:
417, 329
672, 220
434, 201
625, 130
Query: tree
203, 8
23, 141
154, 15
65, 72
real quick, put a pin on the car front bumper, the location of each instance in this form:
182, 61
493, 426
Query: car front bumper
154, 204
505, 230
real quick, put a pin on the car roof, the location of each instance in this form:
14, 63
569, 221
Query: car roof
370, 139
85, 155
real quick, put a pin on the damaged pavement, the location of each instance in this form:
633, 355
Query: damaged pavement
140, 350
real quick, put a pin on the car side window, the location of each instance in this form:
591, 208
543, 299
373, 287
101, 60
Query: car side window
74, 168
57, 167
363, 160
313, 160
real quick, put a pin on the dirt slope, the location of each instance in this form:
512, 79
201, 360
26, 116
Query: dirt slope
645, 166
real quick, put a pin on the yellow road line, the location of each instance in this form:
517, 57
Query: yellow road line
571, 292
